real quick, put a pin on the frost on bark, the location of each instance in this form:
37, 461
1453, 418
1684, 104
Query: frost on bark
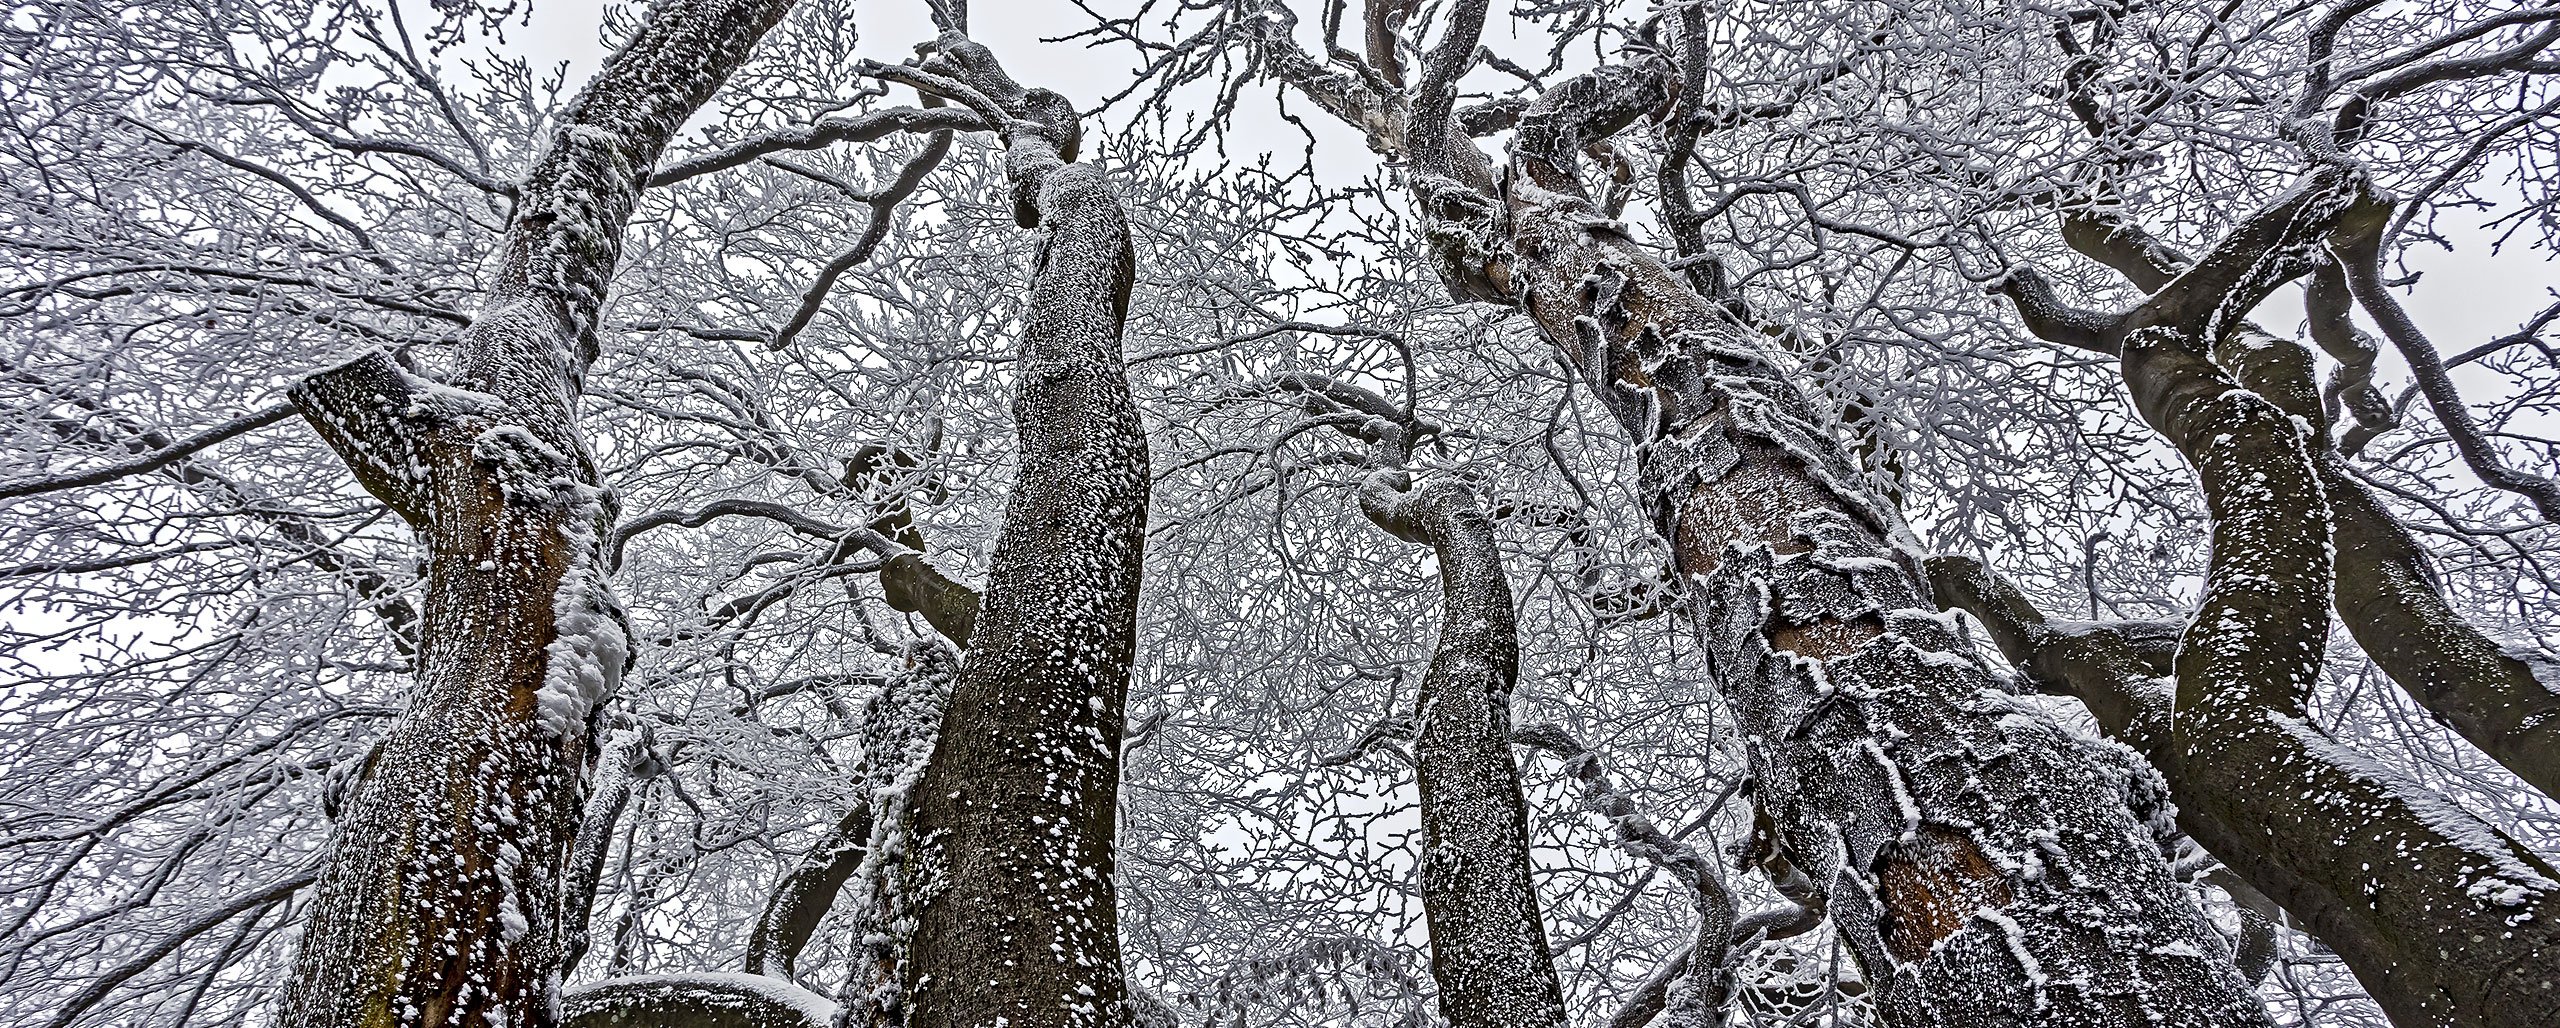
1488, 941
1488, 936
698, 1000
440, 900
1981, 866
2386, 589
1011, 873
2446, 920
866, 847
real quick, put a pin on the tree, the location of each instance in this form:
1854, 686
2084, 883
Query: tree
1016, 914
439, 896
805, 415
1812, 620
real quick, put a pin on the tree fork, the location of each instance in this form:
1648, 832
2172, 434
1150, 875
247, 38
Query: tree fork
1983, 868
439, 903
2445, 920
2386, 590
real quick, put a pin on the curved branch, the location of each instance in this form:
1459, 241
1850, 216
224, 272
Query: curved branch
153, 461
862, 128
788, 517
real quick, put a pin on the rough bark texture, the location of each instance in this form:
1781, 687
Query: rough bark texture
2445, 920
695, 1001
2337, 834
1016, 920
2501, 700
1984, 868
1488, 938
439, 904
868, 845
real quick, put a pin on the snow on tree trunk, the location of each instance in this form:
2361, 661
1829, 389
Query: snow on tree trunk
868, 845
696, 1000
1982, 867
440, 900
1488, 939
2446, 921
1016, 909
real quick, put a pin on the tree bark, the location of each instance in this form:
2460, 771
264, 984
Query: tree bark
2387, 592
695, 1001
2446, 921
1016, 919
1983, 869
1488, 937
2363, 834
440, 901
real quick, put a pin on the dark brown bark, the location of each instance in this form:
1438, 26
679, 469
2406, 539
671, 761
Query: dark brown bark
1011, 877
2444, 919
1489, 953
440, 901
1932, 811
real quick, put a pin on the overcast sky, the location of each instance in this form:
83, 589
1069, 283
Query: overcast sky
2465, 298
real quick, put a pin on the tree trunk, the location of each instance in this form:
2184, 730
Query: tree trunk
1016, 911
439, 904
1488, 939
1983, 869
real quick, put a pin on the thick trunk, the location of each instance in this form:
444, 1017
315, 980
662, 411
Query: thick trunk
1983, 868
440, 901
1929, 808
1488, 938
1017, 920
2371, 834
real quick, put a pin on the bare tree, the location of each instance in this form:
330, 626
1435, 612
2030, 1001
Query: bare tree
1488, 939
441, 895
1819, 629
1772, 226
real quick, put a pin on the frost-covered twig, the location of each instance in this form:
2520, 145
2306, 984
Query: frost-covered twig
2359, 253
867, 127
